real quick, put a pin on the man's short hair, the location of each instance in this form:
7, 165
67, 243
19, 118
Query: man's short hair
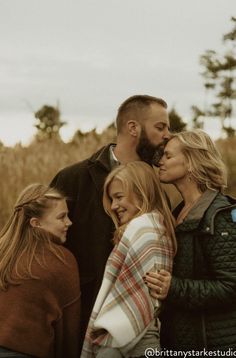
133, 107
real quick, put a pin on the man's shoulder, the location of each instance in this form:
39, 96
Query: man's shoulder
102, 154
83, 165
74, 168
73, 171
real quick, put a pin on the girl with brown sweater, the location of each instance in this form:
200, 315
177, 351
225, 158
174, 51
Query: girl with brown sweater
39, 280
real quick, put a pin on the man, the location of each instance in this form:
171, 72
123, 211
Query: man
142, 128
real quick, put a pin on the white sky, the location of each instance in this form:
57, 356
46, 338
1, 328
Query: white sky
92, 54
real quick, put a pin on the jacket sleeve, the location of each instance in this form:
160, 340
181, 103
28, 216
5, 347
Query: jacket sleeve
219, 289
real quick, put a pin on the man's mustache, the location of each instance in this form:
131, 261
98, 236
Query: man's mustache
159, 153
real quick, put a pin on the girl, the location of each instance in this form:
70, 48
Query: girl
124, 321
39, 281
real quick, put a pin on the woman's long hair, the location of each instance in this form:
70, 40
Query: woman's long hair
205, 162
139, 179
20, 243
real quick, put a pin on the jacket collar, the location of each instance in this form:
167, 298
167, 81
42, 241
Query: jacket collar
202, 205
99, 166
198, 211
102, 158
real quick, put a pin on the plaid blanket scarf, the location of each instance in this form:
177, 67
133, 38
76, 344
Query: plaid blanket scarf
124, 308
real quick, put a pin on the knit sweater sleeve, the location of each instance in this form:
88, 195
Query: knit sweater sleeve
219, 289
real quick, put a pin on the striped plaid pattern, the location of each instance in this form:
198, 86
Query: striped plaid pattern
124, 308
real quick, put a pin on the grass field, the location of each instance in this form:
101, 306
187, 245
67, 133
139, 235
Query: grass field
40, 161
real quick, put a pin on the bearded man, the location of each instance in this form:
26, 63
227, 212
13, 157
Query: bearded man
142, 130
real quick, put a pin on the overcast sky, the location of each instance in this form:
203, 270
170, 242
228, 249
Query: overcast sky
92, 54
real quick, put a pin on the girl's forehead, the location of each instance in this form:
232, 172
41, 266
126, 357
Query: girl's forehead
116, 184
57, 204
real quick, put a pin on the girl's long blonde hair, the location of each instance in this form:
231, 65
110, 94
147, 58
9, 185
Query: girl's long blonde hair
20, 242
139, 179
205, 162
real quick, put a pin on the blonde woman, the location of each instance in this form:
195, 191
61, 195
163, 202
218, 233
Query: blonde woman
200, 309
39, 281
124, 321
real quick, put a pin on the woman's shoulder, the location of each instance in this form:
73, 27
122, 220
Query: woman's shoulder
220, 213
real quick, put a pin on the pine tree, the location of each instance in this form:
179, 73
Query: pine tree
220, 81
176, 122
48, 122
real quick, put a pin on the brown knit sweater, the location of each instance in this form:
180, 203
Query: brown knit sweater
41, 317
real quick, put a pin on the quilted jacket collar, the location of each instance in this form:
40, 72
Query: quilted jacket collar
207, 207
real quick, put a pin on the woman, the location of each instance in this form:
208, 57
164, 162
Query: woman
124, 321
200, 309
39, 281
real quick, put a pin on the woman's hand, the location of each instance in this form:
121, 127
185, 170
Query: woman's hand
158, 283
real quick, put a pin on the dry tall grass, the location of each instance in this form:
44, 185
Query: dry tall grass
227, 147
39, 162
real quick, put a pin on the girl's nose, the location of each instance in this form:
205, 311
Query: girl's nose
68, 222
114, 205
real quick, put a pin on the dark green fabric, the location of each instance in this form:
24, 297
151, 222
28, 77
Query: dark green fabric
200, 311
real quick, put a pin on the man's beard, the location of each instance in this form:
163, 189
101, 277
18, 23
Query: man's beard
149, 152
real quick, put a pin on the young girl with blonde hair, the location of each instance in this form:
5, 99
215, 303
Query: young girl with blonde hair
124, 321
39, 281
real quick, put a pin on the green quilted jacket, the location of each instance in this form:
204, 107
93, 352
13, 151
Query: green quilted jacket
200, 310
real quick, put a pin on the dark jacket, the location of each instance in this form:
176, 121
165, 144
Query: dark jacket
89, 237
200, 311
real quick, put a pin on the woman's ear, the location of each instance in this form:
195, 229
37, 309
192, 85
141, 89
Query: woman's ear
34, 222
